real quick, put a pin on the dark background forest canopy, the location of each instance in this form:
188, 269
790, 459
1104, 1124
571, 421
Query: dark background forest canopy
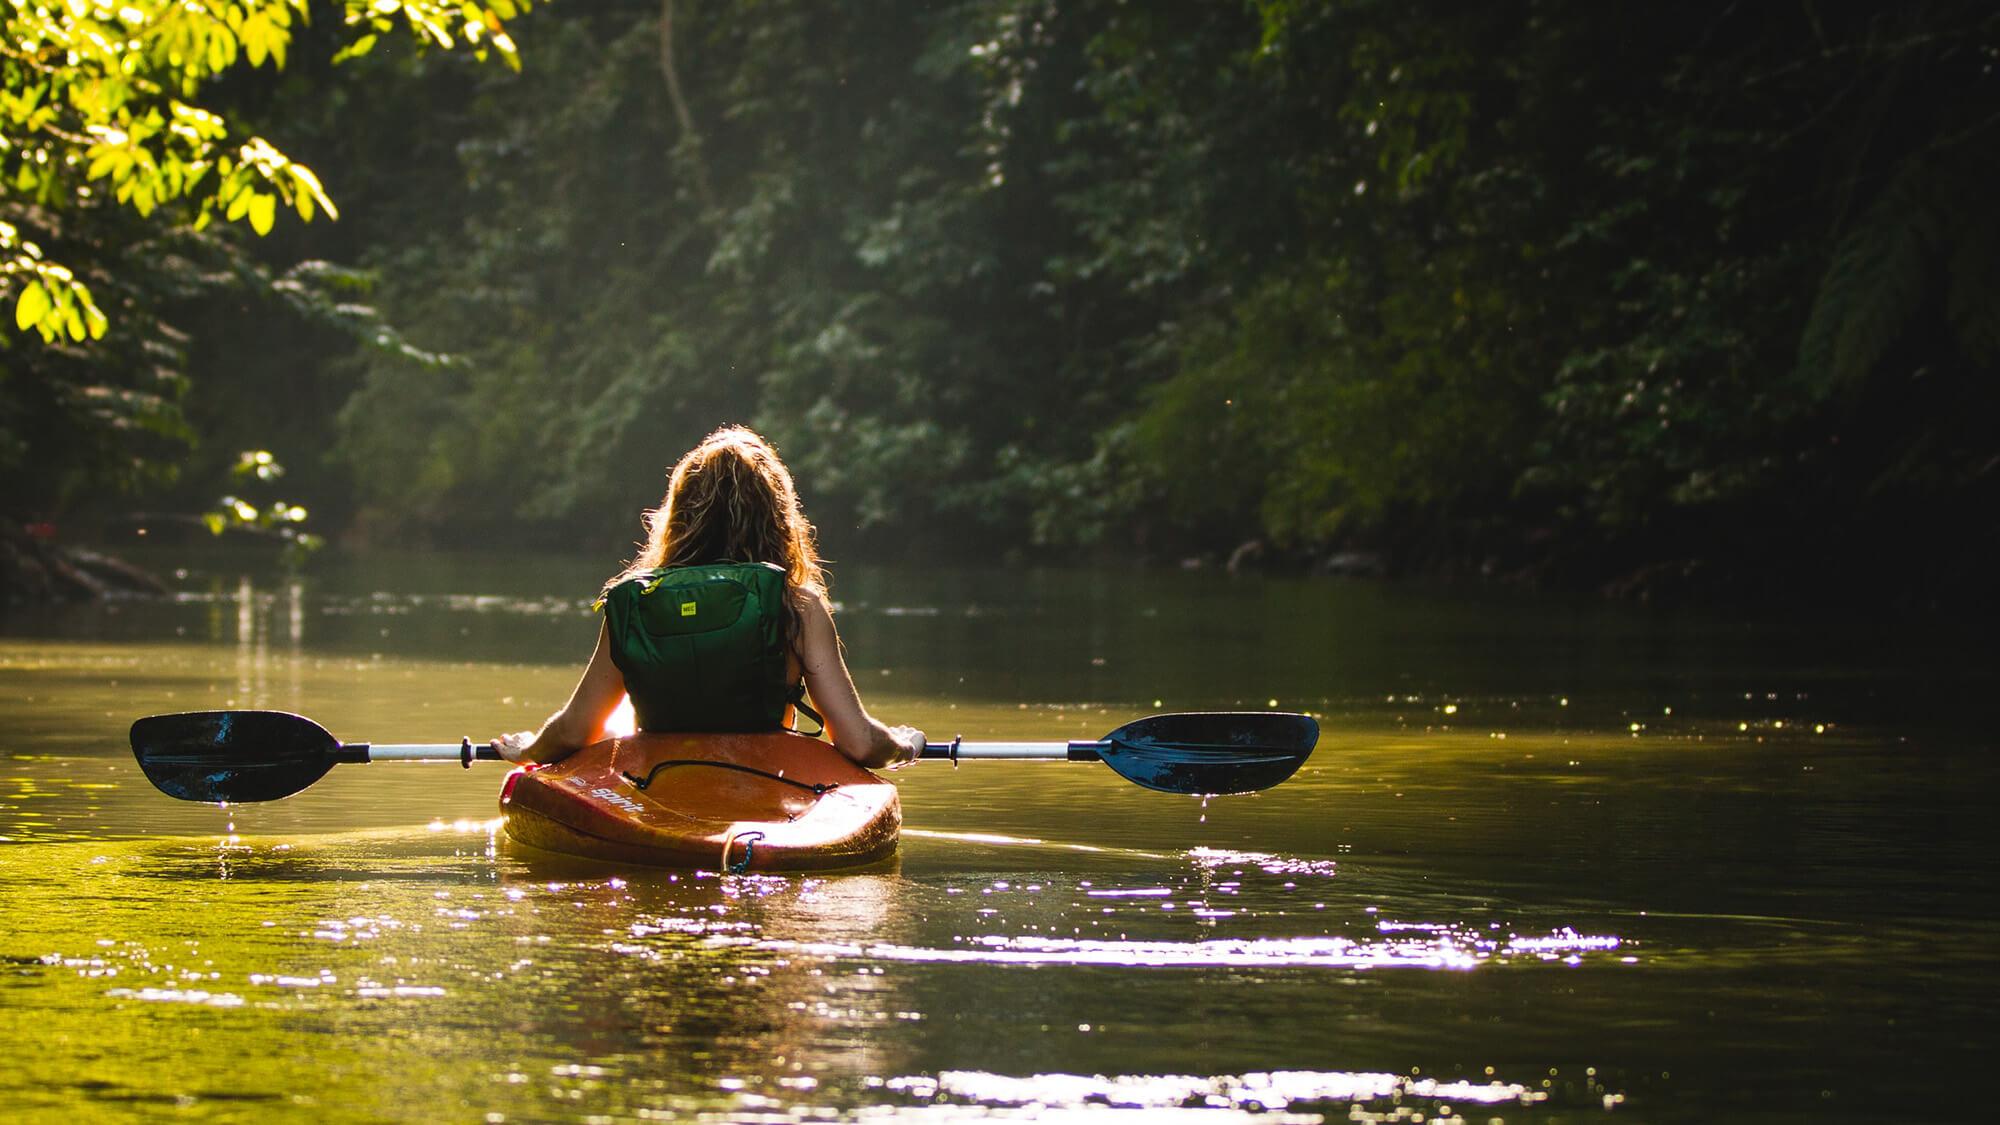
1553, 289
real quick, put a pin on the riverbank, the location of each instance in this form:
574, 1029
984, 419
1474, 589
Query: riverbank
1930, 574
36, 568
1933, 568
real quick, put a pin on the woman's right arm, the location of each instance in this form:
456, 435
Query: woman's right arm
854, 731
581, 721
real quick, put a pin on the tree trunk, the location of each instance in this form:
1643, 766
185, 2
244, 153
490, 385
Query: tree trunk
690, 138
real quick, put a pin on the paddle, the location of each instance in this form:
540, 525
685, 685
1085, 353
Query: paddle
261, 755
1194, 752
242, 756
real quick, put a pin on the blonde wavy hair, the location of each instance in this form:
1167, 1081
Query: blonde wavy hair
730, 499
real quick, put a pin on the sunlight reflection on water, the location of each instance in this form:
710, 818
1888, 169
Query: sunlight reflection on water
1255, 1092
1449, 950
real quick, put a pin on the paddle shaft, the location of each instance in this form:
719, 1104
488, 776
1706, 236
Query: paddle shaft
464, 752
1083, 751
1090, 750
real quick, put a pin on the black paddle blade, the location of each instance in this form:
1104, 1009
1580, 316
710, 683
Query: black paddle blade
1211, 752
232, 755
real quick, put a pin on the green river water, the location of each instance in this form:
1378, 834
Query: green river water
1552, 861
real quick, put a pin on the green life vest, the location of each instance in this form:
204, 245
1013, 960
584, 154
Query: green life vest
702, 648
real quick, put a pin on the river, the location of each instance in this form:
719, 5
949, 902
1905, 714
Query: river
1553, 860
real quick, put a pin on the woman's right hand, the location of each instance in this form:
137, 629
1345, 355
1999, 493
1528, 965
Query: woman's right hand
909, 746
514, 747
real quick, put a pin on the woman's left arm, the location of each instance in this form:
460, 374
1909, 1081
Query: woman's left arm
581, 720
856, 733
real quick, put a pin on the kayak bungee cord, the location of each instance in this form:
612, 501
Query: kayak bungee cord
818, 789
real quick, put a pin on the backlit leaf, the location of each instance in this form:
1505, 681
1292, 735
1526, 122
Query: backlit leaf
33, 305
356, 49
263, 212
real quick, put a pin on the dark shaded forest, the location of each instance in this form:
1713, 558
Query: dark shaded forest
1696, 300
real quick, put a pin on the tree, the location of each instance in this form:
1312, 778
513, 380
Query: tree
113, 165
1567, 288
103, 96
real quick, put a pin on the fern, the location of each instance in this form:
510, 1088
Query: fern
1972, 302
1875, 285
1933, 225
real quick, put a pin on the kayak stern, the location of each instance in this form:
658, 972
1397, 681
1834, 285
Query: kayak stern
738, 802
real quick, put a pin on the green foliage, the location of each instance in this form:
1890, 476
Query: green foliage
115, 158
275, 517
826, 295
1932, 227
1314, 271
100, 98
1511, 283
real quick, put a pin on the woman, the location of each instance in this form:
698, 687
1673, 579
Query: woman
722, 621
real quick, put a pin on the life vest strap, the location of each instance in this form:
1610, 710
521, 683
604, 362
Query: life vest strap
800, 705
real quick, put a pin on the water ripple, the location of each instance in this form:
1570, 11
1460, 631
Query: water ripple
1425, 947
1267, 1095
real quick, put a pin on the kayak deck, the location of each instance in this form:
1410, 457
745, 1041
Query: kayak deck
742, 802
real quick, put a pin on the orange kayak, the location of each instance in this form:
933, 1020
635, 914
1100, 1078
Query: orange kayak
737, 802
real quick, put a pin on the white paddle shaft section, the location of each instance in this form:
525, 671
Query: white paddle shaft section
414, 752
1018, 751
1057, 750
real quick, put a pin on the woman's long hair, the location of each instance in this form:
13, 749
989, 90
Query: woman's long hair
730, 499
